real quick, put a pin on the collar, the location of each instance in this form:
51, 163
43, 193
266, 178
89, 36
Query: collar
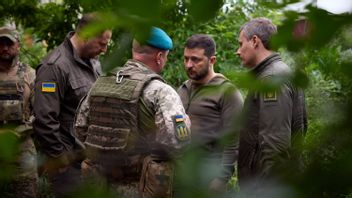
139, 65
68, 44
267, 61
216, 80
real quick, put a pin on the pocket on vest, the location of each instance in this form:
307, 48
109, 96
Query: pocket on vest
107, 138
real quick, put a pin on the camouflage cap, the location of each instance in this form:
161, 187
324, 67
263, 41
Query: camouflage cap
10, 33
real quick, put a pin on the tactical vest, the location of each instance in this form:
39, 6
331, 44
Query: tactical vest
11, 96
115, 106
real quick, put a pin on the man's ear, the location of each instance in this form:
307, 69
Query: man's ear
256, 41
158, 57
212, 60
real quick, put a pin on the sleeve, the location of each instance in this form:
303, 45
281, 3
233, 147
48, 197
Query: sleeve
29, 79
275, 115
81, 119
232, 105
49, 91
168, 110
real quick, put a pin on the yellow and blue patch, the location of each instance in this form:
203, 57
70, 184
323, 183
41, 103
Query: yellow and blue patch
181, 131
49, 87
179, 118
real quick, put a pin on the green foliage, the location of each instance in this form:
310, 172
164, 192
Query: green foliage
32, 50
8, 153
321, 58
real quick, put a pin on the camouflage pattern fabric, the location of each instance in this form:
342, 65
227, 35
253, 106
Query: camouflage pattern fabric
164, 105
162, 99
24, 183
126, 190
92, 172
157, 179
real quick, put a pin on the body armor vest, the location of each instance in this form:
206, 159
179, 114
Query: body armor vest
11, 96
115, 106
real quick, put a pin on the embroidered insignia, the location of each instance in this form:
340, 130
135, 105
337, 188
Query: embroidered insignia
270, 96
181, 131
48, 87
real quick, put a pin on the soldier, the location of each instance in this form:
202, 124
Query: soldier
63, 78
274, 119
16, 91
133, 123
213, 104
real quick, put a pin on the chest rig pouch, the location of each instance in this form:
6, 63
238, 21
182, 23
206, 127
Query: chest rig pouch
11, 96
114, 108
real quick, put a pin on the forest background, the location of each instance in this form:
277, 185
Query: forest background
319, 51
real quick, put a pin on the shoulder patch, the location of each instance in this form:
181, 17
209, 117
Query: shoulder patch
48, 87
182, 133
270, 96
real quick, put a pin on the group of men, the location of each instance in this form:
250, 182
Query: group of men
127, 128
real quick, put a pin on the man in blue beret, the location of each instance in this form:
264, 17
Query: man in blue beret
132, 123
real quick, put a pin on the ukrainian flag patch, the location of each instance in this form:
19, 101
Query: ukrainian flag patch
179, 118
49, 87
182, 133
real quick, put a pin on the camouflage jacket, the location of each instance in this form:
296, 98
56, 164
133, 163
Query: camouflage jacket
165, 106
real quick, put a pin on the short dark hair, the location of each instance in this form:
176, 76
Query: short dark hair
261, 27
86, 19
202, 41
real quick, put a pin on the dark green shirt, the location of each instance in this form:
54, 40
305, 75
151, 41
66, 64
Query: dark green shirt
273, 119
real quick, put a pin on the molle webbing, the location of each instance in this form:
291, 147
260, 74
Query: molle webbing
8, 88
114, 110
11, 96
114, 138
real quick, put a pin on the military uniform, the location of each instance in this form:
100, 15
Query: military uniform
274, 120
16, 91
132, 123
63, 78
213, 108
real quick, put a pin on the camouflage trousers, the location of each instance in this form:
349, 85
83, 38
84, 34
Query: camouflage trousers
92, 174
126, 190
25, 180
153, 181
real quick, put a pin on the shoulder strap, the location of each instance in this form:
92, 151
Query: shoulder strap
22, 68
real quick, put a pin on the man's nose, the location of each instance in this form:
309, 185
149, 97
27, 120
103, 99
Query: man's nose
238, 52
5, 48
188, 64
104, 49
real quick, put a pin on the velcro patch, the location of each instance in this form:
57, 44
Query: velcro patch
270, 96
181, 131
48, 87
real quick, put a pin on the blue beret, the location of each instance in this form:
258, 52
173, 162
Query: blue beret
159, 39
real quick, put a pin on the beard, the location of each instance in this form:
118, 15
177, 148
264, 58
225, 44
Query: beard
198, 75
7, 57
